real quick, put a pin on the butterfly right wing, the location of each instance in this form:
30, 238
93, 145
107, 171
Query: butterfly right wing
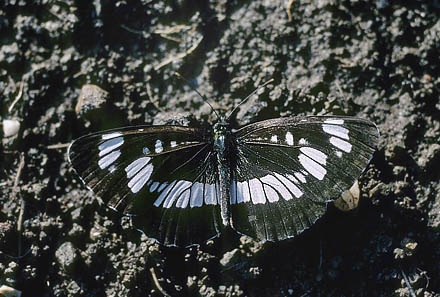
163, 176
287, 169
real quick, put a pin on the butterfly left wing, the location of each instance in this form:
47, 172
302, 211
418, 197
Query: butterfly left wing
164, 176
288, 168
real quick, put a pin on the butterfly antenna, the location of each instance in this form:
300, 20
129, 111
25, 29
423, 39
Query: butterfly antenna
249, 96
191, 85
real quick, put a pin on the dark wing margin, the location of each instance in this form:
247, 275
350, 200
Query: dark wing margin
162, 176
287, 169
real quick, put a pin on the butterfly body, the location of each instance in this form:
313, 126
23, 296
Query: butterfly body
269, 180
222, 146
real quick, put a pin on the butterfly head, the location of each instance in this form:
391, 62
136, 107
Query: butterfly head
220, 131
221, 127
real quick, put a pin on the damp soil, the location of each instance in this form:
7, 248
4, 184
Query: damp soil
379, 60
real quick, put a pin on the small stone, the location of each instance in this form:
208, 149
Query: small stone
6, 230
74, 289
10, 127
255, 272
230, 258
66, 256
91, 97
407, 248
9, 292
191, 282
430, 157
221, 289
349, 200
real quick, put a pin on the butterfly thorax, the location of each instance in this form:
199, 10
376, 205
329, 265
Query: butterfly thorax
221, 147
220, 130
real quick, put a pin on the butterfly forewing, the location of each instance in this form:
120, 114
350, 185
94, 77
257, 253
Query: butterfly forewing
165, 176
288, 168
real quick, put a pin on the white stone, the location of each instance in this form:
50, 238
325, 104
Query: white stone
10, 127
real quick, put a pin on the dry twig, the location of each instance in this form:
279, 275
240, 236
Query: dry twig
18, 97
57, 146
22, 203
408, 285
179, 56
288, 7
156, 282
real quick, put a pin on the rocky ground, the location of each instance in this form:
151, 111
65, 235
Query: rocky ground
374, 59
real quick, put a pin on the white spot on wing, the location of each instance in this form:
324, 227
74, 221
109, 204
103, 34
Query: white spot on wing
289, 138
274, 138
257, 192
162, 186
140, 179
272, 183
303, 141
111, 135
315, 154
181, 186
135, 166
243, 192
341, 144
312, 167
107, 160
183, 201
334, 121
162, 195
110, 145
234, 192
154, 186
290, 185
145, 150
173, 143
271, 194
158, 148
210, 195
336, 130
196, 195
300, 177
339, 154
112, 168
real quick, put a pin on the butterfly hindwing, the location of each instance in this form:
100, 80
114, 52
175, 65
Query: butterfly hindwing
163, 176
288, 168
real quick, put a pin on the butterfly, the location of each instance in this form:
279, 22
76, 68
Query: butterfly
269, 180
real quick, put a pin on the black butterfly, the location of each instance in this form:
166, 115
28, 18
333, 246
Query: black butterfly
269, 180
